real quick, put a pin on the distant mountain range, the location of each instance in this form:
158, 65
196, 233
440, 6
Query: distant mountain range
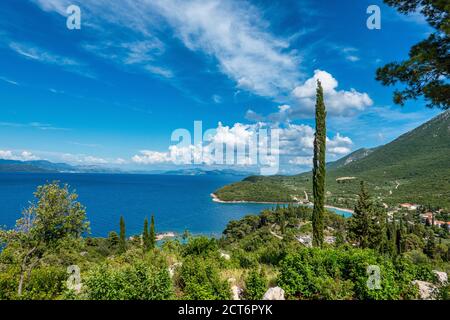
413, 168
42, 166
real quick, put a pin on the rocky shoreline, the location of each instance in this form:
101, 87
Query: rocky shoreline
215, 198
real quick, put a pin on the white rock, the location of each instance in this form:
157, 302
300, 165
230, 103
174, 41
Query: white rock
173, 267
330, 239
274, 294
305, 240
236, 292
441, 276
427, 290
225, 256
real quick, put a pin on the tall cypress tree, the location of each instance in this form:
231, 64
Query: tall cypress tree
319, 168
152, 240
146, 236
360, 222
122, 236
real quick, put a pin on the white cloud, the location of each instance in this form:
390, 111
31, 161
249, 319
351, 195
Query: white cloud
350, 53
151, 157
296, 145
17, 155
339, 145
6, 154
159, 71
302, 161
254, 116
352, 58
33, 52
298, 140
128, 52
217, 99
34, 125
94, 160
9, 81
338, 102
27, 156
233, 32
236, 35
83, 159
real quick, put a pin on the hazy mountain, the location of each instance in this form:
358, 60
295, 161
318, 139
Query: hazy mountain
38, 166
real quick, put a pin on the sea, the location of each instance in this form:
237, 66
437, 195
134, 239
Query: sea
178, 202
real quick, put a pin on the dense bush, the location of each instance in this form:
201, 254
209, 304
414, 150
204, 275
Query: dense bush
342, 274
199, 279
255, 285
133, 282
200, 246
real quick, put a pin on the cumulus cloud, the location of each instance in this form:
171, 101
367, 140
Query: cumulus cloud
338, 102
298, 140
302, 161
339, 145
294, 146
151, 157
21, 155
342, 103
83, 159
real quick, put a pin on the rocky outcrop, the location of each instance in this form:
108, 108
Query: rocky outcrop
274, 294
427, 290
306, 240
441, 277
236, 291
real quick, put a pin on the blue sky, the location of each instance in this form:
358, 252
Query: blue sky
113, 92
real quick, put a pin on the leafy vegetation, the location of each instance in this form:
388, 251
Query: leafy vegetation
426, 71
264, 250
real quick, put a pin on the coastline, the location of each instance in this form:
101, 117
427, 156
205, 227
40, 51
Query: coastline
216, 199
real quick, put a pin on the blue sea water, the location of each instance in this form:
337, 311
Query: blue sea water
177, 202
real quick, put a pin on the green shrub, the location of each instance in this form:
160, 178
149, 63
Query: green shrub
200, 280
314, 273
133, 282
255, 285
46, 283
200, 246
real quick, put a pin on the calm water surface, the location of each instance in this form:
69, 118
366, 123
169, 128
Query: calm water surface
178, 202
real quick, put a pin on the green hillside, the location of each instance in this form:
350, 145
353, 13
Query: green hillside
413, 168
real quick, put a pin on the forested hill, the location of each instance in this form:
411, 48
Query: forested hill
413, 168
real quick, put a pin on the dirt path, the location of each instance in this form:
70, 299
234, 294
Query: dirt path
306, 196
274, 234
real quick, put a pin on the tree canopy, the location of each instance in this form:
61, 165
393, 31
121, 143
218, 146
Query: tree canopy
426, 72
